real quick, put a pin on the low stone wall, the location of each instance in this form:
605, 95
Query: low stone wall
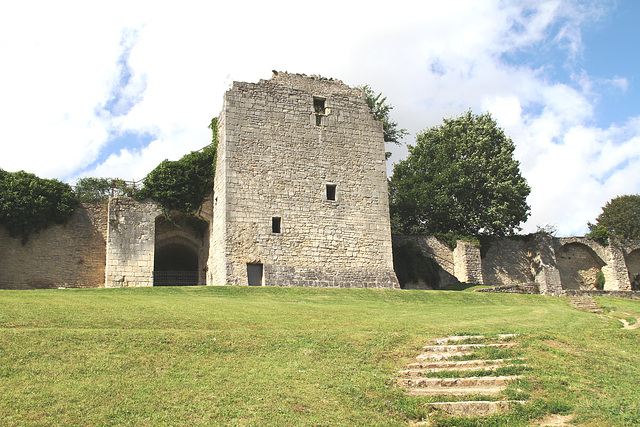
531, 289
69, 255
555, 265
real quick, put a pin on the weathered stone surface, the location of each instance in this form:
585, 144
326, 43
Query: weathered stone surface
130, 242
320, 175
467, 264
538, 263
70, 255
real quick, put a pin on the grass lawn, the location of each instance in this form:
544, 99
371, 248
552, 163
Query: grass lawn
243, 356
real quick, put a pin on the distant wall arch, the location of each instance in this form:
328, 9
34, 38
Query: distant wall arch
633, 265
578, 265
181, 250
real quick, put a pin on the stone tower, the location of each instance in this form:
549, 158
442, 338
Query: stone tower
300, 193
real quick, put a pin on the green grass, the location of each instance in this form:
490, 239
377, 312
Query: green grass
240, 356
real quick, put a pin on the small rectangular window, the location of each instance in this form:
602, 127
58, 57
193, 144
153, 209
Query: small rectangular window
319, 109
331, 191
276, 221
318, 105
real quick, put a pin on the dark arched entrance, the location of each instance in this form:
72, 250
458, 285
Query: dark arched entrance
175, 265
633, 265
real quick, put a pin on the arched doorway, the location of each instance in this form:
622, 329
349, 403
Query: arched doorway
175, 265
580, 267
181, 251
633, 265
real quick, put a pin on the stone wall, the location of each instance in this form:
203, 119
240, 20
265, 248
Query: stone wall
70, 255
633, 263
467, 263
130, 242
434, 249
300, 187
538, 261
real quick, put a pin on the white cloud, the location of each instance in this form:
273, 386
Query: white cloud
65, 63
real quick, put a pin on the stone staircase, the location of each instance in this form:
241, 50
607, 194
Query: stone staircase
587, 303
446, 368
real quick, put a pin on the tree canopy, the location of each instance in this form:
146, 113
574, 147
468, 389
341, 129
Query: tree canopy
620, 217
460, 178
29, 204
89, 190
380, 110
184, 184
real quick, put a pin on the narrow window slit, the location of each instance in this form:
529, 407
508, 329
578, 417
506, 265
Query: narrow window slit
276, 222
331, 191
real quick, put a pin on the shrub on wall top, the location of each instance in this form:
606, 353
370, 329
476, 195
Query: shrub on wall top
29, 204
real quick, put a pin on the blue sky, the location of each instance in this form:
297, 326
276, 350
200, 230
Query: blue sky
113, 88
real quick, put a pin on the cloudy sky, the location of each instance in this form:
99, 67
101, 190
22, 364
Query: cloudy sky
112, 88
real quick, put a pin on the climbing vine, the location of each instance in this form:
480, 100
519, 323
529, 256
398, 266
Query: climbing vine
29, 204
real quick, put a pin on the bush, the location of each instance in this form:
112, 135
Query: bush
29, 204
599, 280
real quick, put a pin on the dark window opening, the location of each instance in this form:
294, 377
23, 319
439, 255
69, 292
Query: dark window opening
318, 105
276, 221
319, 109
254, 274
331, 191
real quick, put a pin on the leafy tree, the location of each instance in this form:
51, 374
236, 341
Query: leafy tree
90, 190
460, 178
29, 204
380, 110
620, 217
183, 185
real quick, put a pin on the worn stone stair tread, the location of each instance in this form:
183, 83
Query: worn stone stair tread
586, 303
487, 381
442, 356
457, 338
480, 368
473, 408
465, 347
460, 365
454, 391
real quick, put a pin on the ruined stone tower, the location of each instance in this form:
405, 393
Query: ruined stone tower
300, 193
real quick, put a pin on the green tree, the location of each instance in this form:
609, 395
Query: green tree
89, 190
184, 184
459, 178
380, 110
620, 217
29, 204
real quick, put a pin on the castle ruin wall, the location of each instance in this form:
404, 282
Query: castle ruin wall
68, 255
300, 187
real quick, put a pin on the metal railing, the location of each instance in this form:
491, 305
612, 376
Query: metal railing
175, 278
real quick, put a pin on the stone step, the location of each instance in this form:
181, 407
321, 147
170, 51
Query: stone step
459, 365
417, 372
454, 391
446, 383
455, 348
473, 408
458, 338
441, 356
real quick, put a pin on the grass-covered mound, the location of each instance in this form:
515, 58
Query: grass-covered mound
290, 356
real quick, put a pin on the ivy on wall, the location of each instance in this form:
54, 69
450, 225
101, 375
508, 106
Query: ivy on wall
29, 204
